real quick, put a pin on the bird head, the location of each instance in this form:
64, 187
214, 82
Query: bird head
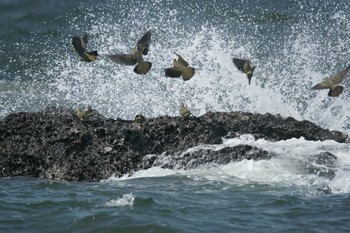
251, 66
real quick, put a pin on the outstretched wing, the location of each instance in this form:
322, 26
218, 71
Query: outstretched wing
339, 77
172, 72
239, 63
143, 67
77, 45
187, 73
84, 40
323, 85
180, 61
335, 91
91, 56
123, 59
144, 43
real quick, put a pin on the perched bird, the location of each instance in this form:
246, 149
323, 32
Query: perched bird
184, 112
180, 67
79, 45
246, 66
136, 55
83, 114
332, 83
139, 119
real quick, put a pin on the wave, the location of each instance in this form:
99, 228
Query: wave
291, 54
296, 162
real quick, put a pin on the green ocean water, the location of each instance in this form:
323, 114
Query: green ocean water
294, 45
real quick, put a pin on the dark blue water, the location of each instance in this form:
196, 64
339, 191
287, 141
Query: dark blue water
168, 204
294, 45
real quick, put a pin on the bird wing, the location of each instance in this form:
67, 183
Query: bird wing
91, 55
84, 40
77, 45
326, 84
339, 77
180, 62
335, 91
144, 43
172, 72
123, 59
239, 63
143, 67
187, 73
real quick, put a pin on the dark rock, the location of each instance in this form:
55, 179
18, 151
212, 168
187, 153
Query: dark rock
322, 164
200, 157
63, 144
272, 127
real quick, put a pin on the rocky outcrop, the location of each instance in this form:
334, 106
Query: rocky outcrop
200, 157
63, 144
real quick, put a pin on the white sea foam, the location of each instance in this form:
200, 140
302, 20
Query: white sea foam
341, 182
289, 165
152, 172
126, 200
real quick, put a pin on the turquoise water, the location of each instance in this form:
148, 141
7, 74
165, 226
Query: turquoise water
294, 45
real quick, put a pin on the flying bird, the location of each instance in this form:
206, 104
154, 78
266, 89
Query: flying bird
135, 57
79, 45
332, 83
180, 68
246, 66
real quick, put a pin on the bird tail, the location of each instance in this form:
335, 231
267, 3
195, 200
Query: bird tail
93, 53
187, 73
249, 76
90, 56
335, 91
143, 67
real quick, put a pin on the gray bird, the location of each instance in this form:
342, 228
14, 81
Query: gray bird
246, 66
180, 68
332, 83
183, 111
136, 55
79, 45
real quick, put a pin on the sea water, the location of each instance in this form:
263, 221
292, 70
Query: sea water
294, 45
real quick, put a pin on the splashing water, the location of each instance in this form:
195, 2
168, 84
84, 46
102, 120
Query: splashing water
293, 47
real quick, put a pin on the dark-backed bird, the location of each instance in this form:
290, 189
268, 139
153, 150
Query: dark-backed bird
246, 66
139, 118
183, 111
332, 83
180, 68
79, 45
135, 57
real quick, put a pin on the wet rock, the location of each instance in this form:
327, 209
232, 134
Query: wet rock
199, 157
272, 127
322, 164
66, 144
